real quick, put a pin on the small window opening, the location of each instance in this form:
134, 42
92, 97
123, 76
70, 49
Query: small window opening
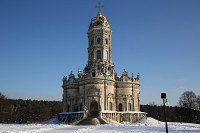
129, 107
98, 40
81, 106
120, 107
98, 54
110, 104
93, 74
75, 107
106, 41
67, 107
92, 42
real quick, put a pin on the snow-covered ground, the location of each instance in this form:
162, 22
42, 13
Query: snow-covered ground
148, 125
28, 128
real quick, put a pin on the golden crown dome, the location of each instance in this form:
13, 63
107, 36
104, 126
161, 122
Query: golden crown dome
99, 20
99, 16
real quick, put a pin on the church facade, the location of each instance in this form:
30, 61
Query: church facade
98, 88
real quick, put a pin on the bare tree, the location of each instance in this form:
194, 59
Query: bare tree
198, 102
2, 96
188, 100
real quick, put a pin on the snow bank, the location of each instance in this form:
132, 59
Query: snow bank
148, 125
29, 128
149, 121
51, 124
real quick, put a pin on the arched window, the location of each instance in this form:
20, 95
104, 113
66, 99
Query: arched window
110, 105
81, 106
98, 40
120, 107
67, 107
129, 107
92, 42
75, 107
106, 41
107, 55
98, 54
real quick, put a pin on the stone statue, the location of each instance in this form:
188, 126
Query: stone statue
64, 78
85, 112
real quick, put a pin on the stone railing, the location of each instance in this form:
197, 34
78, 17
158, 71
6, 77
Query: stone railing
128, 116
69, 117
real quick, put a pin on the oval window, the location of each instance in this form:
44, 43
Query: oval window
98, 40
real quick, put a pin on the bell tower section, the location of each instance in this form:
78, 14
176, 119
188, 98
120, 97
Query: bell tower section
99, 47
99, 40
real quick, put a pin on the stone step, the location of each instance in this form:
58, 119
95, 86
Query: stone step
91, 121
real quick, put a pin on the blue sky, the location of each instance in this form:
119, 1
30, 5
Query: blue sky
42, 40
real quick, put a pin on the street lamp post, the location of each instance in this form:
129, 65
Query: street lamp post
163, 96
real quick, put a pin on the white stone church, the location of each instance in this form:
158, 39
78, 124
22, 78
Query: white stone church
98, 88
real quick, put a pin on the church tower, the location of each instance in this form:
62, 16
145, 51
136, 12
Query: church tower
99, 40
99, 47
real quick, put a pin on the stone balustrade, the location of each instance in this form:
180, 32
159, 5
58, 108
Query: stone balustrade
129, 116
69, 117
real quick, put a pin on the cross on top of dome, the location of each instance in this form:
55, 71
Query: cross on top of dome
99, 6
